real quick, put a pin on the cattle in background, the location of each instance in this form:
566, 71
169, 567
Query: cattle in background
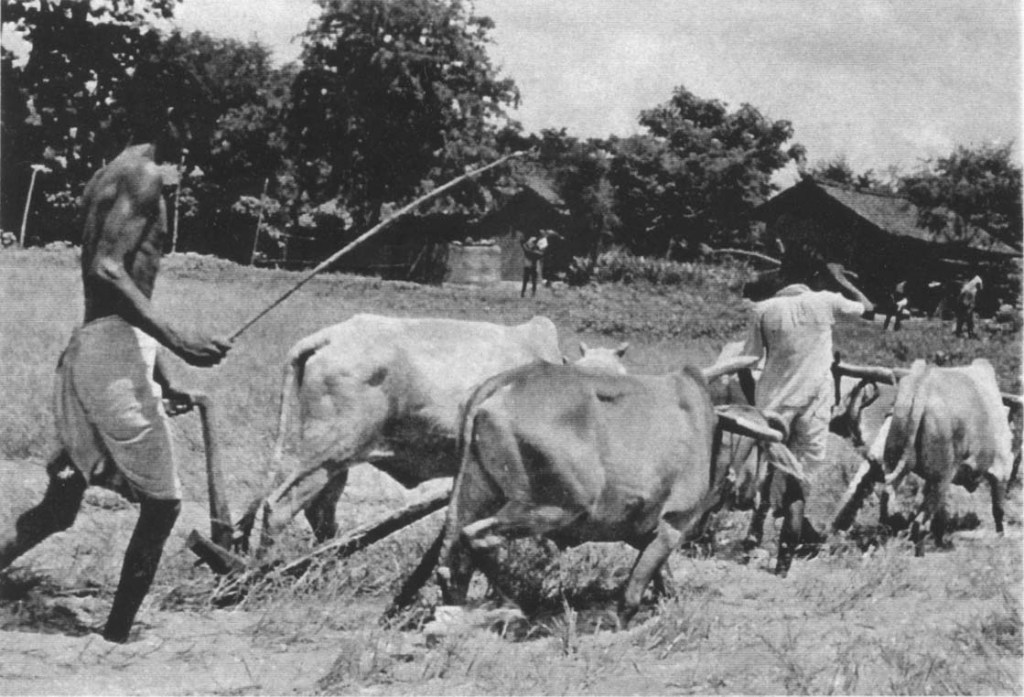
579, 456
386, 391
949, 425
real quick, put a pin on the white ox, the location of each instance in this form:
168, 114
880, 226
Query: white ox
386, 391
948, 426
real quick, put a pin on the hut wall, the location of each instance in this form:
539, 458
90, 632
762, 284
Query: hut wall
474, 264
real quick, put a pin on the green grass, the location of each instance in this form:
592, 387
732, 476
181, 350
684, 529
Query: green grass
848, 622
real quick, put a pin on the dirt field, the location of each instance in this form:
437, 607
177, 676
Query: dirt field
861, 618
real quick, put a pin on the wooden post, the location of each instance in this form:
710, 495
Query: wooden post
259, 223
36, 169
177, 194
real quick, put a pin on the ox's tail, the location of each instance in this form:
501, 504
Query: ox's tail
294, 366
907, 413
467, 414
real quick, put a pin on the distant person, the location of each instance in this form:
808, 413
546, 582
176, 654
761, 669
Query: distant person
896, 307
792, 330
534, 247
965, 303
110, 379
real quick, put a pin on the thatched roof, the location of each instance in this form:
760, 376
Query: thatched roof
888, 213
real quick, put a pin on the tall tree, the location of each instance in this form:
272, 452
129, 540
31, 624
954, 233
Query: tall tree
697, 173
970, 190
238, 137
580, 170
395, 96
82, 55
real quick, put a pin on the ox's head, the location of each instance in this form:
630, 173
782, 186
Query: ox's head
847, 415
598, 359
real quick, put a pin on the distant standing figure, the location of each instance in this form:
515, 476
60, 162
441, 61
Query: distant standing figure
534, 247
965, 306
110, 380
896, 307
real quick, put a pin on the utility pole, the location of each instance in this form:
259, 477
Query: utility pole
36, 169
259, 223
177, 193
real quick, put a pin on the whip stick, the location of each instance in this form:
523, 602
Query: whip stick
367, 235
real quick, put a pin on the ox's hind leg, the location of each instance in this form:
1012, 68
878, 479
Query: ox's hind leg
320, 512
998, 493
513, 520
931, 514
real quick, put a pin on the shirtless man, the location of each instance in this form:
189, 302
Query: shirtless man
110, 380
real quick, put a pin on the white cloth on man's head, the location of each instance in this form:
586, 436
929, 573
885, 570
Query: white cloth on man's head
793, 330
109, 410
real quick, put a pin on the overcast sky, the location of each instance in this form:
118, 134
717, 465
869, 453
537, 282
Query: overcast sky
879, 82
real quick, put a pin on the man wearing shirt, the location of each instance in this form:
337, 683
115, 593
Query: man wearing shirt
793, 332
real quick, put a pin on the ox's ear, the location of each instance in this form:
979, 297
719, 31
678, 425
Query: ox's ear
621, 350
583, 348
565, 360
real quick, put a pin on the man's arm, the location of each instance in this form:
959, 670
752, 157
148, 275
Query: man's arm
838, 273
137, 206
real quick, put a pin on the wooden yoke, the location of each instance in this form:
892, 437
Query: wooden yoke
890, 376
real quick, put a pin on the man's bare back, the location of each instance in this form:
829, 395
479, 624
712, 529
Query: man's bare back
123, 199
122, 244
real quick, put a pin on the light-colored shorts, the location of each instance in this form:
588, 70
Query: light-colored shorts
109, 410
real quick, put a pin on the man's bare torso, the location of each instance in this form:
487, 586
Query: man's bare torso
124, 209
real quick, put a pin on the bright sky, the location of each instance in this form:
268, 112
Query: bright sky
881, 82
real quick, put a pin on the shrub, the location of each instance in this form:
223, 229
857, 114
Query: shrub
619, 266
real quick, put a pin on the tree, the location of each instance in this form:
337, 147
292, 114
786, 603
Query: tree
697, 173
838, 171
82, 55
18, 142
580, 170
393, 97
970, 190
238, 137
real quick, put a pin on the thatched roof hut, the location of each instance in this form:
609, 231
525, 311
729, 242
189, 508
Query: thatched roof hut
877, 235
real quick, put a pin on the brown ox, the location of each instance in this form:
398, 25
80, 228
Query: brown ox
577, 456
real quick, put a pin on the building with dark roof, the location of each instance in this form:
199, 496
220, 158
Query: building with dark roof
877, 236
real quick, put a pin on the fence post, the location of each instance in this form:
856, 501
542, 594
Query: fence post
36, 169
259, 223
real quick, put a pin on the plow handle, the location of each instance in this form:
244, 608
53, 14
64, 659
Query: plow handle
221, 529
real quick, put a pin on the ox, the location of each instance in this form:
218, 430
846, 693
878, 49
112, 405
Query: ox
948, 425
387, 391
580, 456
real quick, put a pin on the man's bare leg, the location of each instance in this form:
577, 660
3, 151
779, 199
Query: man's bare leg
56, 512
156, 518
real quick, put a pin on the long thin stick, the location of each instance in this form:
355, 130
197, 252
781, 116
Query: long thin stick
367, 235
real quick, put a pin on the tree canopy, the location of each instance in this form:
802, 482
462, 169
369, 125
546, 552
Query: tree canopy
972, 189
390, 99
697, 173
